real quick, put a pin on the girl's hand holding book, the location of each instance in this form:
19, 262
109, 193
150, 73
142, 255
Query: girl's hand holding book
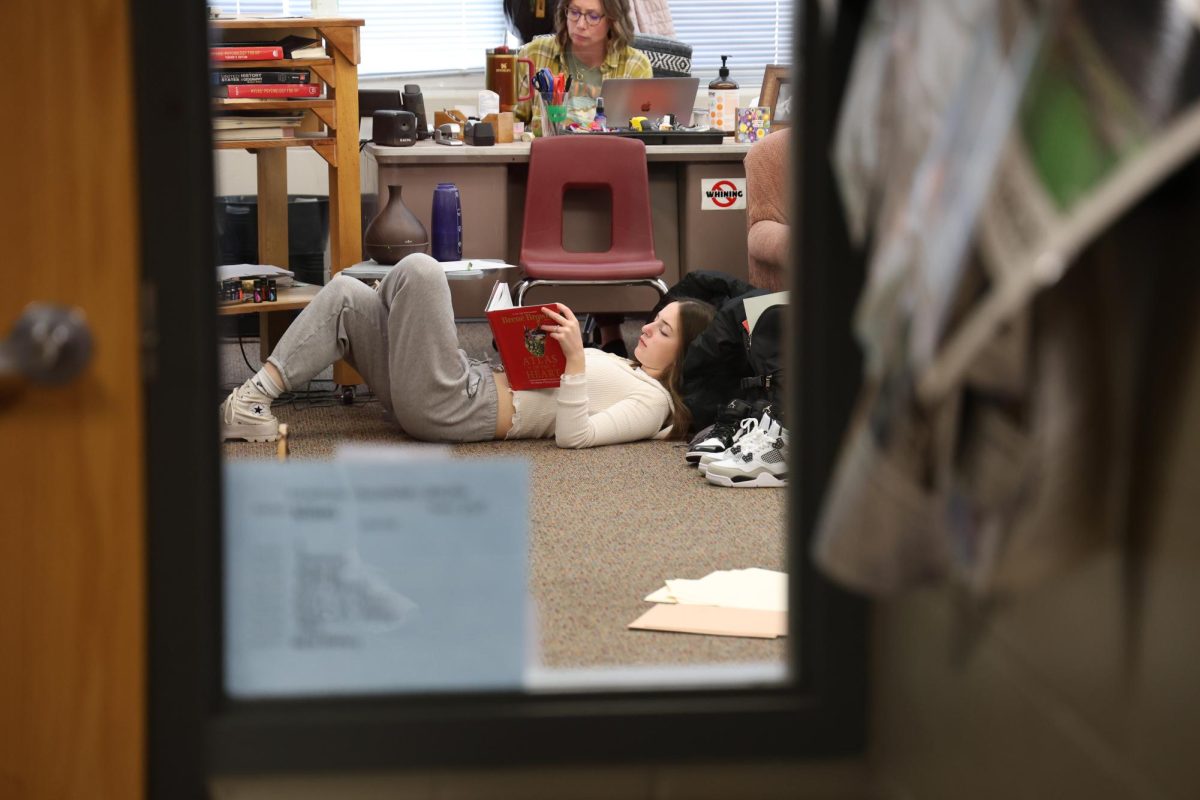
564, 328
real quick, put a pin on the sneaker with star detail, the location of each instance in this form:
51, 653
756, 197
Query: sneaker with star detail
246, 414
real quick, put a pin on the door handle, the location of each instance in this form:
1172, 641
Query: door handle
49, 345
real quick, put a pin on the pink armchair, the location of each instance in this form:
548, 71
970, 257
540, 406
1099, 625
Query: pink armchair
768, 210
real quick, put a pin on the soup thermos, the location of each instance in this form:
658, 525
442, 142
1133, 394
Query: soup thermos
446, 236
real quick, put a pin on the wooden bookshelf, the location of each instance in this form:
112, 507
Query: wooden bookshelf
330, 127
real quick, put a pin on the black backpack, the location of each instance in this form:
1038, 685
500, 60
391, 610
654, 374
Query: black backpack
726, 361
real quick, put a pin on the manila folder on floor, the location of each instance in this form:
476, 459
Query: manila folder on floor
713, 620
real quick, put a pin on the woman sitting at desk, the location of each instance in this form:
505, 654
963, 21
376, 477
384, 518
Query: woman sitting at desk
402, 339
590, 43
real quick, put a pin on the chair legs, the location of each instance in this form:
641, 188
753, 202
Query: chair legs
526, 284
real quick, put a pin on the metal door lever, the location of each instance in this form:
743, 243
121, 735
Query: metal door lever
49, 345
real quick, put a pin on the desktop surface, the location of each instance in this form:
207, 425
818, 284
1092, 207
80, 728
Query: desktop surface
429, 152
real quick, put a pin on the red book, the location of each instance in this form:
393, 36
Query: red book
266, 52
268, 90
531, 358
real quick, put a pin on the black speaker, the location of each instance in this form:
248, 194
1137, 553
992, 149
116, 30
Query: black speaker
372, 100
414, 102
393, 128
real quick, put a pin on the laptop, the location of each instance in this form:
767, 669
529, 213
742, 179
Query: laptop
625, 98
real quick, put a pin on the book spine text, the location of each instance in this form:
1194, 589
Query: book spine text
264, 53
243, 90
220, 77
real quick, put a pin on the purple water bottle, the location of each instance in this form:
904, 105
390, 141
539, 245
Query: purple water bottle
446, 236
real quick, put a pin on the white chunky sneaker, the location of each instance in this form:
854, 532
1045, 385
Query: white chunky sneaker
246, 414
749, 431
764, 464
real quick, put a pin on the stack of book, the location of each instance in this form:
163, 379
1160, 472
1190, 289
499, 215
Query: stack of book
262, 125
258, 82
265, 83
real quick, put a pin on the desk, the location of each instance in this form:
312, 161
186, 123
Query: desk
491, 181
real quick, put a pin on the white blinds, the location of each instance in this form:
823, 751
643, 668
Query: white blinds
753, 33
406, 36
274, 8
411, 36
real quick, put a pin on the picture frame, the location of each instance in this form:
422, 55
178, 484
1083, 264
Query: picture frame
776, 94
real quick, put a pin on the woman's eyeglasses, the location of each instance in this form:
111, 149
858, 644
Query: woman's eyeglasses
575, 15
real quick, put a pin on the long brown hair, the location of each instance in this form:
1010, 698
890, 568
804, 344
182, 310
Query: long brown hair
620, 33
694, 316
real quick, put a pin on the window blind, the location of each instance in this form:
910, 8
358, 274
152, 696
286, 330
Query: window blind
429, 36
273, 8
402, 37
753, 33
407, 36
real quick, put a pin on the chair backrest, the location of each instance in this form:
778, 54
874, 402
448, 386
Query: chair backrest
669, 58
558, 163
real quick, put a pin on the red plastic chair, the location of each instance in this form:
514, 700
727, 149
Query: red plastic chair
557, 163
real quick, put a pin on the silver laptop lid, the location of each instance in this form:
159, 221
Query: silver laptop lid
648, 97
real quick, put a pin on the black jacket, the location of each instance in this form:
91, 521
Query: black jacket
716, 360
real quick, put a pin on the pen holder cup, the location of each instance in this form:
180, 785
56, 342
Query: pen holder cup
551, 117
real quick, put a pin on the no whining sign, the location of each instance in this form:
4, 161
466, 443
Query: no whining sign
722, 194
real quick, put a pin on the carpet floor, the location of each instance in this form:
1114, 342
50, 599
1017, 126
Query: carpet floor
607, 526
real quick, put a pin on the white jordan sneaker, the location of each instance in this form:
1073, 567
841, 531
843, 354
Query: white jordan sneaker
750, 429
763, 463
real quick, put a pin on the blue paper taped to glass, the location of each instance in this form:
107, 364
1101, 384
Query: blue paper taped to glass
363, 577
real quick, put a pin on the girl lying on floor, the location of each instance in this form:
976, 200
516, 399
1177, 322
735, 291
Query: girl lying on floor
401, 338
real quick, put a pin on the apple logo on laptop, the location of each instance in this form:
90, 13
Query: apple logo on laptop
646, 107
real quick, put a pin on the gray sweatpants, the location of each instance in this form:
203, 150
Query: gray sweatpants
401, 338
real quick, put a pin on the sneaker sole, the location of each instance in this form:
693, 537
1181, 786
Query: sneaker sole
695, 457
240, 433
763, 480
709, 458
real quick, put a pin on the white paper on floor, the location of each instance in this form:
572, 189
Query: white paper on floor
752, 588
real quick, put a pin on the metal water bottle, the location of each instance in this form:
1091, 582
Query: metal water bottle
446, 236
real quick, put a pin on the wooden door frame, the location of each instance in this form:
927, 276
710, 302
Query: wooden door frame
195, 732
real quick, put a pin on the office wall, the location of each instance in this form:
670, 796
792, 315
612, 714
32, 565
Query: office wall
1086, 687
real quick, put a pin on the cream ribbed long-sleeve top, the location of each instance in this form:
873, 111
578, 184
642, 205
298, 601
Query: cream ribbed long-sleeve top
610, 402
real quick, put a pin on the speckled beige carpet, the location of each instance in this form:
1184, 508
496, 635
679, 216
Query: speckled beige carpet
608, 525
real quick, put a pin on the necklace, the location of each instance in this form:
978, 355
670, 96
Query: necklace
580, 73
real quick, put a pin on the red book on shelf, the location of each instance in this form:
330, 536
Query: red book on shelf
532, 359
266, 52
267, 90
